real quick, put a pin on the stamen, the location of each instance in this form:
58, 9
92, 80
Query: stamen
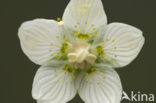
63, 49
69, 69
83, 36
61, 23
90, 70
59, 19
99, 50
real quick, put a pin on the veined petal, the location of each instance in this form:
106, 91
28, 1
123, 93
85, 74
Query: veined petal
121, 44
53, 85
84, 16
39, 39
101, 86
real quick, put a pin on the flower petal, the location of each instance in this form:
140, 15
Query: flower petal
122, 43
53, 85
84, 16
38, 39
101, 86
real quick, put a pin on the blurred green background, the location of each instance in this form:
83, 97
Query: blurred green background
17, 71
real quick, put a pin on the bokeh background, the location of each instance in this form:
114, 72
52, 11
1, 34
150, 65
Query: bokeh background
17, 71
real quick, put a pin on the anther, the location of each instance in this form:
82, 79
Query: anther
58, 19
61, 23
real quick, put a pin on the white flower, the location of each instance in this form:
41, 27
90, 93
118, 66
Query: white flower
78, 53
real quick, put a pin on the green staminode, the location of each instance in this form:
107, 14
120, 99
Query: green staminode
99, 50
68, 68
64, 48
90, 70
83, 36
91, 41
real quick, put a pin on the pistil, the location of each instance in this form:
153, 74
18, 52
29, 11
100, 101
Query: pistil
81, 54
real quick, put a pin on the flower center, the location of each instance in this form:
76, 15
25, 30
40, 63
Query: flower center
81, 54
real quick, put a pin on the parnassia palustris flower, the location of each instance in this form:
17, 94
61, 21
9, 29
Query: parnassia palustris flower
78, 54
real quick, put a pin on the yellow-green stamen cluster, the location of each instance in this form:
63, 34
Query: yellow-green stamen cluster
99, 50
83, 36
64, 48
90, 70
68, 68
